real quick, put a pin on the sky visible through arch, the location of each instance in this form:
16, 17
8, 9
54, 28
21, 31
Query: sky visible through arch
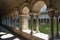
43, 9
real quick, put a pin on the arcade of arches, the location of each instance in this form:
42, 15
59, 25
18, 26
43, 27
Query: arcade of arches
19, 14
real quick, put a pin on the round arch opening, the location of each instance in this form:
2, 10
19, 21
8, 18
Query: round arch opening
38, 6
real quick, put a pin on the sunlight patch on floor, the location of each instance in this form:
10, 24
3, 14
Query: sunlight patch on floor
2, 33
28, 31
7, 36
16, 39
42, 35
39, 35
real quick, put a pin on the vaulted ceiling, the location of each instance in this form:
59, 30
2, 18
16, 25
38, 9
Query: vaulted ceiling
7, 5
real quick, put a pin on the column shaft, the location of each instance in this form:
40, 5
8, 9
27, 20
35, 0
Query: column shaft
37, 23
51, 27
20, 22
57, 34
31, 24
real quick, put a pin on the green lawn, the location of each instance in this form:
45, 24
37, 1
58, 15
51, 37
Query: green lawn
43, 28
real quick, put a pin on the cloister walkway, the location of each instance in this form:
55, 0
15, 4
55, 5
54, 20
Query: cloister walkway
4, 31
7, 35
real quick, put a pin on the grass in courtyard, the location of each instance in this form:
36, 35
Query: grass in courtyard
44, 28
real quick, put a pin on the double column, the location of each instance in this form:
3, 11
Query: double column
37, 22
31, 15
56, 16
20, 22
51, 15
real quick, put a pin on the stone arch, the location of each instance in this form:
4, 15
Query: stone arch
11, 12
25, 5
34, 1
16, 12
37, 6
24, 10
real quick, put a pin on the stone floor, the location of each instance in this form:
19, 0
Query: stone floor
39, 35
57, 39
7, 35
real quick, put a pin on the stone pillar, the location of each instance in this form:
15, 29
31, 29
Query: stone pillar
20, 22
40, 20
46, 20
11, 21
57, 30
6, 20
15, 22
25, 22
58, 20
51, 27
51, 14
31, 15
43, 20
37, 23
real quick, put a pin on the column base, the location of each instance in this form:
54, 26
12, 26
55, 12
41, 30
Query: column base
37, 31
31, 33
51, 39
20, 29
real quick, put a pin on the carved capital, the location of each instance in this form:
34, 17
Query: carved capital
56, 14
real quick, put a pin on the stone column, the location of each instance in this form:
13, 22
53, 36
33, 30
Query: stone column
20, 22
57, 30
11, 21
15, 22
43, 20
51, 14
25, 21
6, 20
46, 20
51, 27
58, 20
31, 15
40, 21
37, 23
